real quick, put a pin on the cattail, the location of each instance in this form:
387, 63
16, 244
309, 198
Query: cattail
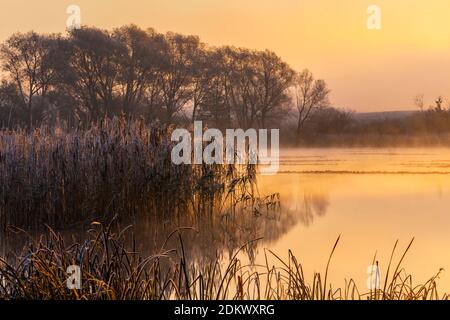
116, 167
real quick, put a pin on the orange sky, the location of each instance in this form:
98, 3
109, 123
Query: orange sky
367, 70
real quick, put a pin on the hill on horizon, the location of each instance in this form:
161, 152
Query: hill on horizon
383, 115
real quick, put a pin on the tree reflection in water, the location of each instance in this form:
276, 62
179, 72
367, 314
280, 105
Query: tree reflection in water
215, 235
219, 235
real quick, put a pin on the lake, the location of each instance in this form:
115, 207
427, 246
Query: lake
371, 197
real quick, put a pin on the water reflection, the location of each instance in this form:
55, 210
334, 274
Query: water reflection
209, 237
219, 236
371, 197
313, 205
308, 211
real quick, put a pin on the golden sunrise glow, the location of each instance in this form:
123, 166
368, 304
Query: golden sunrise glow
367, 70
137, 162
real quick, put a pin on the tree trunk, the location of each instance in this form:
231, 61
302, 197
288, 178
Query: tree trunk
194, 111
169, 116
263, 120
30, 109
299, 131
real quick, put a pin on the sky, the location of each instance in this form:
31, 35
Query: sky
366, 69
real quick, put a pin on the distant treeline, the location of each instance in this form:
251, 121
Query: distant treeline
89, 74
329, 126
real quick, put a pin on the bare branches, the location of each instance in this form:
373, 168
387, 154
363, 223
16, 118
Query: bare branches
28, 59
310, 94
91, 74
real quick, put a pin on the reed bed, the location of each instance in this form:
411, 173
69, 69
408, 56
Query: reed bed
112, 270
116, 167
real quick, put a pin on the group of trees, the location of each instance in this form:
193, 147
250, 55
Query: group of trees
91, 73
430, 125
432, 119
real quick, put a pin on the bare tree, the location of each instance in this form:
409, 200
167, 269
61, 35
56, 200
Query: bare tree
139, 66
210, 100
273, 80
419, 101
177, 72
92, 75
241, 94
249, 86
309, 95
205, 74
12, 108
28, 59
438, 104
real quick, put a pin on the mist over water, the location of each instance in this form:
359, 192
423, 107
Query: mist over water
371, 197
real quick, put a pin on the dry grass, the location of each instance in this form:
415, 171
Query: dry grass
117, 167
110, 270
120, 169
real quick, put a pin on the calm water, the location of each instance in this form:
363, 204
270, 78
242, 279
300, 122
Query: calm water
371, 197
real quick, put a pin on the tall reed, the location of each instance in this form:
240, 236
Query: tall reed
117, 167
113, 270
